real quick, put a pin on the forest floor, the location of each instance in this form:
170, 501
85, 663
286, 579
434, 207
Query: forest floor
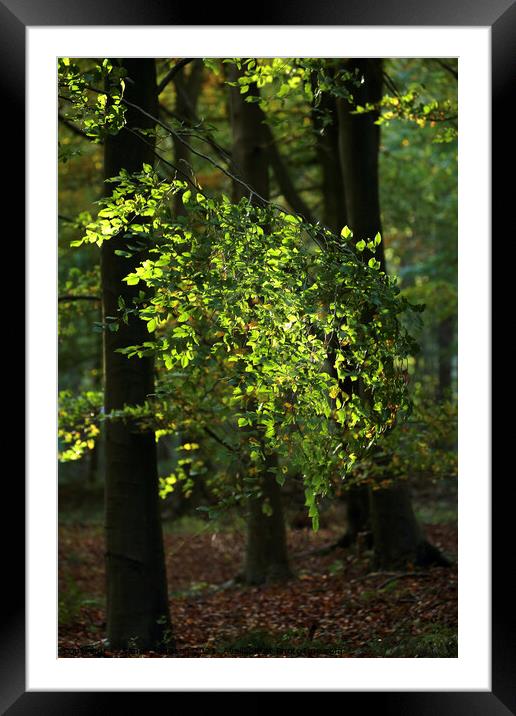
336, 606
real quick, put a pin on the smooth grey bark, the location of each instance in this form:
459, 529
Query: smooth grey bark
266, 552
137, 600
397, 538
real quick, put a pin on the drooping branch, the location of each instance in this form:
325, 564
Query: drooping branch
72, 127
390, 83
222, 152
166, 162
252, 192
173, 72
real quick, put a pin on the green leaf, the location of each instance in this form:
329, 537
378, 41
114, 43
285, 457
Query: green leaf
334, 391
361, 245
346, 232
132, 279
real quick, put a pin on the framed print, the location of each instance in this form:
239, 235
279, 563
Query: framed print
481, 39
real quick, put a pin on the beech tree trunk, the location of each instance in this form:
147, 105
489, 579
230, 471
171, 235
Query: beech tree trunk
358, 517
266, 553
250, 154
397, 535
188, 88
359, 143
137, 600
327, 149
397, 538
326, 127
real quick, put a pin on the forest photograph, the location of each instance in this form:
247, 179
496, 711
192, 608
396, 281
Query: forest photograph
257, 357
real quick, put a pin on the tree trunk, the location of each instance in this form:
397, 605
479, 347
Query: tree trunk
266, 554
395, 528
397, 538
188, 89
326, 126
327, 149
137, 600
250, 155
358, 518
359, 142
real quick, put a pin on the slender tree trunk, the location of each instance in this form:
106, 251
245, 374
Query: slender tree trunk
324, 119
397, 538
137, 601
188, 88
266, 554
359, 142
326, 127
250, 154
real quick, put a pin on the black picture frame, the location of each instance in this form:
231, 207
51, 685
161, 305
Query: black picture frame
500, 16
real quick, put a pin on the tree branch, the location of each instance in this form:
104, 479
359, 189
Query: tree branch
314, 236
72, 127
221, 151
173, 72
218, 439
451, 70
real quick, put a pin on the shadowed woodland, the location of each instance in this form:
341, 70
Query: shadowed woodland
257, 357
